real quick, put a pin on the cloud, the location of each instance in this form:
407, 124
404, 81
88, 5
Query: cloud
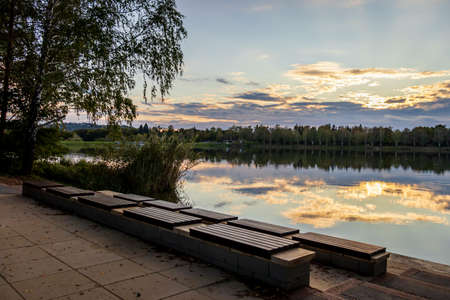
223, 80
420, 96
262, 7
340, 3
427, 105
240, 77
409, 195
323, 217
311, 201
322, 212
193, 79
252, 83
270, 109
257, 96
327, 77
254, 190
263, 56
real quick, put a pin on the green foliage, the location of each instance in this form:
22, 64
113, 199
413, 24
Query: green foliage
48, 143
153, 168
84, 55
329, 160
47, 146
88, 135
325, 136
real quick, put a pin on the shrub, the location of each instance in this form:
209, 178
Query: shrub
154, 168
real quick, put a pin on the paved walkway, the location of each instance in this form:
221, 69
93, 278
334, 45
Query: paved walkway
48, 254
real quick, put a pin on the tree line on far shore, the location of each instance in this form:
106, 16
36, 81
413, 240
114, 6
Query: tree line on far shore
325, 135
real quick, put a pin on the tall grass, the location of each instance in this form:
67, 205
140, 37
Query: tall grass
157, 167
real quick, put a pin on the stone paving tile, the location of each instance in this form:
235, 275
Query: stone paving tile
33, 225
114, 271
15, 256
104, 236
70, 223
53, 286
79, 253
68, 247
27, 270
5, 231
227, 290
2, 281
12, 219
159, 261
8, 293
195, 275
49, 236
90, 258
191, 295
94, 294
130, 251
44, 210
14, 242
325, 277
152, 286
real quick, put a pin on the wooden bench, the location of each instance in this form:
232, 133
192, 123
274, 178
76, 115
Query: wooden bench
360, 257
280, 262
41, 183
263, 227
105, 202
34, 188
133, 197
160, 217
208, 215
245, 240
69, 191
166, 205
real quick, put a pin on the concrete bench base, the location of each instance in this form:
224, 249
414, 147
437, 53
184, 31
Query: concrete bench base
287, 270
33, 192
368, 267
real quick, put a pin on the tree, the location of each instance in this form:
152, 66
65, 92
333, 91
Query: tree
83, 55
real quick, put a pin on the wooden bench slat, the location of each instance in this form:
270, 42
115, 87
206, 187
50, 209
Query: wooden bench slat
162, 214
243, 239
160, 217
41, 183
105, 202
270, 240
166, 205
133, 197
69, 191
344, 246
264, 227
208, 215
237, 239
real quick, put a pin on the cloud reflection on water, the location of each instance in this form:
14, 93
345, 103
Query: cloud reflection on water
312, 201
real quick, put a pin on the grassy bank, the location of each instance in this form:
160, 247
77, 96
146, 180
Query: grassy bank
254, 146
154, 168
76, 146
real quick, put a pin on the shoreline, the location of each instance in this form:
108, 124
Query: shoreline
12, 185
207, 146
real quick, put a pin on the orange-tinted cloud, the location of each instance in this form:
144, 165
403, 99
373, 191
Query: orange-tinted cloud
409, 195
323, 217
325, 77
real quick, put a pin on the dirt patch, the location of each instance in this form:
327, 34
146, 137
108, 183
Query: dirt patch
10, 180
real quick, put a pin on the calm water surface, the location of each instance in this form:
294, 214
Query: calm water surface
398, 201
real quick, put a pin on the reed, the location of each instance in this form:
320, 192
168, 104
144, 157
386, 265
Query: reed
153, 168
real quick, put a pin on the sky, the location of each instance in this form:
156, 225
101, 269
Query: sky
344, 62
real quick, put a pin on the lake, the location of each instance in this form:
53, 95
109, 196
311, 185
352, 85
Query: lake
400, 201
